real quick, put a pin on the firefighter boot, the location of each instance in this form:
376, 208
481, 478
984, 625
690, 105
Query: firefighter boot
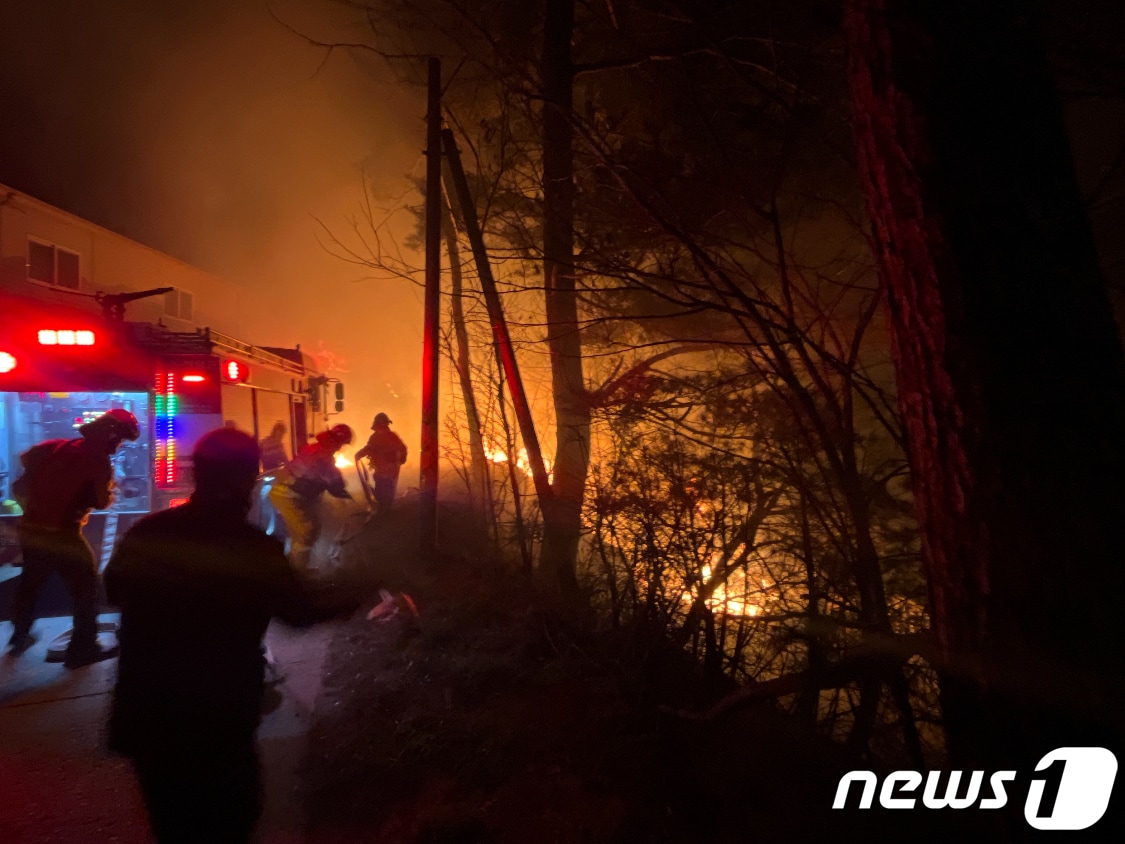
18, 644
83, 655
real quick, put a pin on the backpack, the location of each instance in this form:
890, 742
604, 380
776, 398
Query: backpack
34, 460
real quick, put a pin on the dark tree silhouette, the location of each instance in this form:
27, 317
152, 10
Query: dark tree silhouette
562, 514
1010, 372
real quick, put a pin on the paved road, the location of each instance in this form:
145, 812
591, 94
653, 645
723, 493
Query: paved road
60, 785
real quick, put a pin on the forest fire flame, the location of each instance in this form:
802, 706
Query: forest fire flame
722, 600
494, 454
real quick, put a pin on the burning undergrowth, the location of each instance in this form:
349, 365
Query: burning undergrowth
491, 718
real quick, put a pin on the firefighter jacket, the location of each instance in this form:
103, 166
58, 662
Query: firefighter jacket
312, 472
386, 451
63, 481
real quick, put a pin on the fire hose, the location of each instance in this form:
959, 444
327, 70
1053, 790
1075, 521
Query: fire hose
369, 496
365, 482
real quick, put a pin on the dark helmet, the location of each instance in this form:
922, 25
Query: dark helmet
336, 436
113, 423
380, 418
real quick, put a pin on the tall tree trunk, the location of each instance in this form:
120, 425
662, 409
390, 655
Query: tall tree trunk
480, 477
1010, 372
562, 517
514, 479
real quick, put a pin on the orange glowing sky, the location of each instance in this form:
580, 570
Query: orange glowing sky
205, 129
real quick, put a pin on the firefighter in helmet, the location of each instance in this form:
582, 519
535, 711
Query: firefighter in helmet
298, 487
273, 449
386, 452
63, 481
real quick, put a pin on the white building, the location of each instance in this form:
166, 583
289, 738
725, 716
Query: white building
51, 256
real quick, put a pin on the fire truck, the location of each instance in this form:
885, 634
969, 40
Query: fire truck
61, 367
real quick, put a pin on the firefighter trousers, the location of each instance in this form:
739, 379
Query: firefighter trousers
301, 521
384, 492
68, 553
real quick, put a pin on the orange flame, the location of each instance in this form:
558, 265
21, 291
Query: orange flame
721, 601
495, 454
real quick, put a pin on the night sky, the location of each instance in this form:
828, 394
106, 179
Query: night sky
207, 130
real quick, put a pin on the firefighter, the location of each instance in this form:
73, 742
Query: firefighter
273, 449
386, 452
63, 481
298, 487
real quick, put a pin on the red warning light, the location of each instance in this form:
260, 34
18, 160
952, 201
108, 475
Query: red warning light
65, 337
194, 379
236, 371
7, 363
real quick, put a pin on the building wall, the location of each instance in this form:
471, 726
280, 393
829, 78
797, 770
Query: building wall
110, 263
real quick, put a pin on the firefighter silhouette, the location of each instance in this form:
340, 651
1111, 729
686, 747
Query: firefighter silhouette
273, 449
63, 481
299, 486
386, 452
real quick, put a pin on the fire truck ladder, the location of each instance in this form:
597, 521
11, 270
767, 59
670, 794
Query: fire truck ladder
208, 341
254, 353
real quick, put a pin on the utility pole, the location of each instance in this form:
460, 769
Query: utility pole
499, 324
428, 481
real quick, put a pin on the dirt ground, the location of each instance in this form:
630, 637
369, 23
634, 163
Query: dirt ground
488, 718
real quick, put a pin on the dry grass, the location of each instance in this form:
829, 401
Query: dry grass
489, 719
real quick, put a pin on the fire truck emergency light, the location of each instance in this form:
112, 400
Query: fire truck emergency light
65, 337
236, 371
165, 407
194, 379
7, 363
